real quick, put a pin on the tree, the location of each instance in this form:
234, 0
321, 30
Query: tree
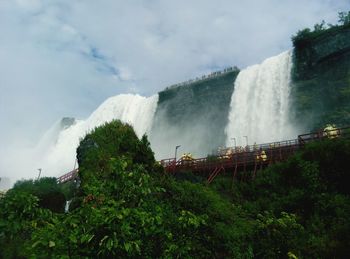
128, 210
301, 36
46, 189
19, 216
344, 18
320, 26
277, 237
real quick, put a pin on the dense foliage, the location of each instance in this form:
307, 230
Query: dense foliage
127, 207
310, 194
50, 195
306, 35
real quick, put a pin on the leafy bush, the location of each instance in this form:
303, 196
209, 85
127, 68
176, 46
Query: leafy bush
130, 211
19, 216
127, 207
49, 193
301, 205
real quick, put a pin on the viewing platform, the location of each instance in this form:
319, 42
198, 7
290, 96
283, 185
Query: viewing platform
249, 158
234, 160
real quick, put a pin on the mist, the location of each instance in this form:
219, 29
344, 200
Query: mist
194, 135
55, 153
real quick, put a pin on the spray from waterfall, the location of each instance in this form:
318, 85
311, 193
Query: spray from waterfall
259, 106
135, 110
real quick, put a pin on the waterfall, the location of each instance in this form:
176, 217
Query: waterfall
259, 106
66, 207
51, 136
135, 110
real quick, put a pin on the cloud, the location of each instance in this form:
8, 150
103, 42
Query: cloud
63, 58
29, 4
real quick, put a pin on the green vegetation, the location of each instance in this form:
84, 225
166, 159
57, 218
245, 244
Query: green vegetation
50, 195
126, 206
321, 78
300, 206
305, 36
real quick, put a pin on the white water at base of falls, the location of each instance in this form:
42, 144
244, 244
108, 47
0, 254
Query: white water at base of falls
259, 106
135, 110
66, 207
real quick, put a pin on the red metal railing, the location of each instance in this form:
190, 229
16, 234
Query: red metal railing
275, 151
68, 176
249, 157
239, 158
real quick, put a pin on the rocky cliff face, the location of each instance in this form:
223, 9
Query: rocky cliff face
193, 116
66, 122
321, 79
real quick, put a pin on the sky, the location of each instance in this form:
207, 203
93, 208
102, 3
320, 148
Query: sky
63, 58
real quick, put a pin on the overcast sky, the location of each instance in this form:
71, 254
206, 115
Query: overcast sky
63, 58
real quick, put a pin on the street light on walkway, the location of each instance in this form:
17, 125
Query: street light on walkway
39, 169
234, 140
176, 151
246, 140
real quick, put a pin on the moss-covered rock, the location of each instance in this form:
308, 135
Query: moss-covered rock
194, 116
321, 79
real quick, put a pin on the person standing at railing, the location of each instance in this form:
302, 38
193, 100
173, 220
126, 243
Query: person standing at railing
261, 156
330, 131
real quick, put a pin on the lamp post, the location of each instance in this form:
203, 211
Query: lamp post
39, 169
176, 151
234, 140
246, 140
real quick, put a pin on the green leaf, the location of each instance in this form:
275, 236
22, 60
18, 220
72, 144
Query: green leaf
103, 239
73, 239
86, 238
36, 243
127, 246
52, 244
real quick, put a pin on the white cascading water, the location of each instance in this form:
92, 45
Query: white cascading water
259, 106
135, 110
51, 136
66, 207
